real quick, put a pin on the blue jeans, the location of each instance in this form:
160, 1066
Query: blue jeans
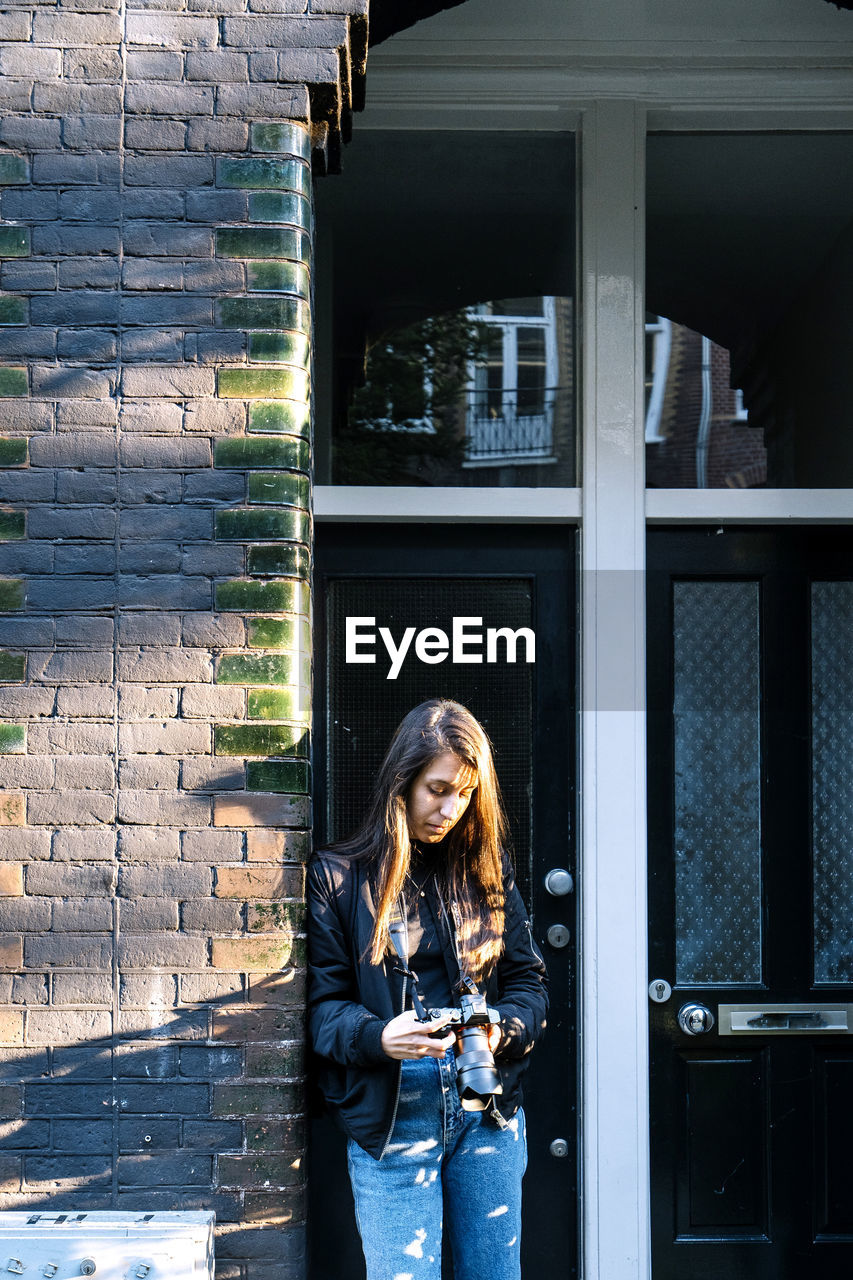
441, 1163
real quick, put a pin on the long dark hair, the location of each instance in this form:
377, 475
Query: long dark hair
468, 860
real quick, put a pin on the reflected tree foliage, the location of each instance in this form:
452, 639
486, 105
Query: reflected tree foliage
405, 424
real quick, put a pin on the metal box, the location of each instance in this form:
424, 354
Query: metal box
109, 1246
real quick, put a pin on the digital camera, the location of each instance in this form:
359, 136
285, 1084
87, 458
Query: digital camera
477, 1078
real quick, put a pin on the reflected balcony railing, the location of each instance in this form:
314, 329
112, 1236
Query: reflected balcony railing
511, 425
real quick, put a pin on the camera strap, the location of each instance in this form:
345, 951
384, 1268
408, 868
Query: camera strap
465, 982
398, 931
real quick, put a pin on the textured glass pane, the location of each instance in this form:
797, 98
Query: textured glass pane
832, 779
717, 783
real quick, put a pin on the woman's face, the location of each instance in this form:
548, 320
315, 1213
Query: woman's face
438, 797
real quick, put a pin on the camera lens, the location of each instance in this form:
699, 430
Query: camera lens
477, 1077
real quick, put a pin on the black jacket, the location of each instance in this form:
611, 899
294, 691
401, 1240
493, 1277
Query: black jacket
350, 999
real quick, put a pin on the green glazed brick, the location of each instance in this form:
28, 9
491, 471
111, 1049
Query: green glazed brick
281, 348
260, 384
13, 525
263, 242
12, 594
13, 381
13, 451
259, 740
278, 775
257, 174
14, 170
275, 276
257, 525
280, 206
13, 667
264, 313
281, 416
279, 633
243, 452
279, 704
275, 668
285, 137
262, 597
13, 310
281, 560
13, 738
263, 451
279, 488
14, 242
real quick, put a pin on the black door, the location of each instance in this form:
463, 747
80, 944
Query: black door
425, 577
751, 892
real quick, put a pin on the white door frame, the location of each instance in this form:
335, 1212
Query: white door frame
612, 509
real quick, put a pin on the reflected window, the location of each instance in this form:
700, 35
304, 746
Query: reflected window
480, 396
514, 391
698, 434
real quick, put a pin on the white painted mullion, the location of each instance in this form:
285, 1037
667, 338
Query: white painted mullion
615, 1172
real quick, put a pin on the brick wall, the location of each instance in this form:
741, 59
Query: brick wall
155, 327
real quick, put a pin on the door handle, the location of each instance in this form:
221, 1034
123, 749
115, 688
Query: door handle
559, 882
695, 1019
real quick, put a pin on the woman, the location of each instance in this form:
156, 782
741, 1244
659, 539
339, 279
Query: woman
426, 871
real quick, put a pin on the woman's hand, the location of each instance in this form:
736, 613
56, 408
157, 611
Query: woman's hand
406, 1037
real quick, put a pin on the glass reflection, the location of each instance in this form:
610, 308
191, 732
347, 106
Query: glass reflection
481, 396
698, 433
749, 245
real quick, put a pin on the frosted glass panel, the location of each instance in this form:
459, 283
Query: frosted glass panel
832, 779
717, 783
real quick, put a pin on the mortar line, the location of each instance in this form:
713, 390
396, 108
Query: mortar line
116, 975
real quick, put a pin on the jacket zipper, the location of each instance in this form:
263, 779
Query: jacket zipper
399, 1064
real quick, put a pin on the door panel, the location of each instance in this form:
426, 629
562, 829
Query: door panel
834, 1141
412, 577
751, 873
722, 1182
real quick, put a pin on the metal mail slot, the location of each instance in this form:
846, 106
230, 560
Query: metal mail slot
785, 1019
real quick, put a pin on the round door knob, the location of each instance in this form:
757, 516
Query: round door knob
695, 1019
558, 936
559, 882
559, 1148
87, 1267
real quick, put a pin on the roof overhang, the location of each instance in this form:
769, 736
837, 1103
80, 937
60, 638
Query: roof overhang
387, 17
